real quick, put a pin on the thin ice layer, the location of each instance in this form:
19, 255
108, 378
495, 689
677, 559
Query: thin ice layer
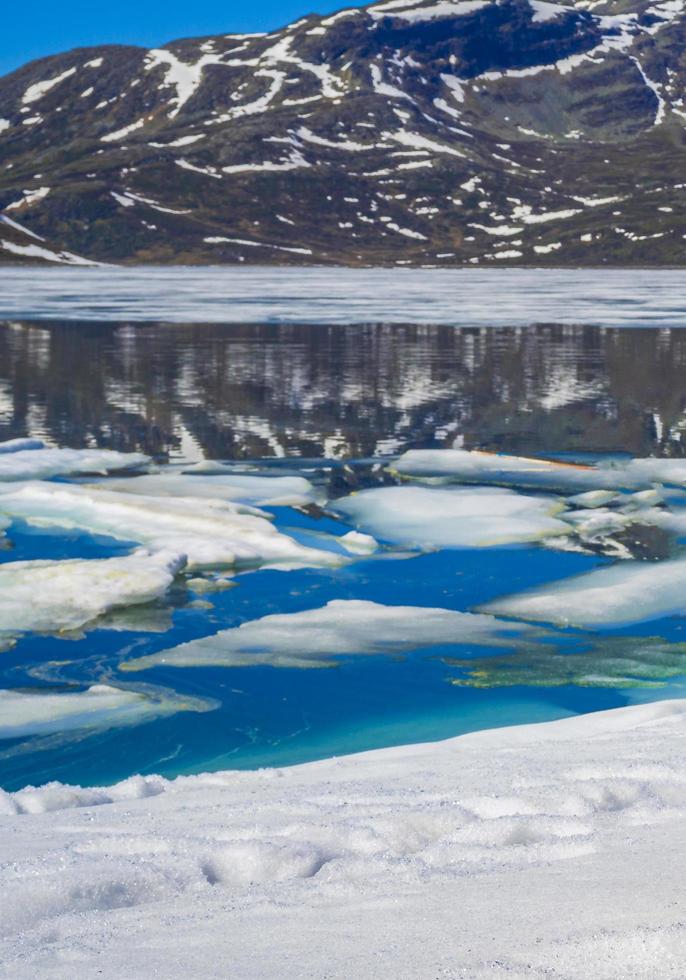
208, 532
52, 596
42, 464
632, 592
474, 466
441, 518
267, 490
313, 637
25, 713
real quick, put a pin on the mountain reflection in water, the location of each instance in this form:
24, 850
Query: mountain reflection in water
240, 391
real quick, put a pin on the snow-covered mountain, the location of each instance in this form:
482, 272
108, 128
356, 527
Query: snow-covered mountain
436, 132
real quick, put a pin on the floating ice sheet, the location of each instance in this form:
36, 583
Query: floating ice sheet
40, 464
24, 713
358, 544
313, 637
52, 596
474, 466
222, 485
644, 499
450, 518
637, 473
593, 499
208, 532
633, 592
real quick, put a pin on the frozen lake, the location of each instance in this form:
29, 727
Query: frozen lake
467, 297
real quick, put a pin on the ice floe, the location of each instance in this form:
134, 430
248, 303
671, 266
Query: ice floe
209, 532
357, 543
474, 466
35, 463
221, 483
40, 712
51, 596
17, 445
593, 499
618, 595
642, 500
455, 518
341, 627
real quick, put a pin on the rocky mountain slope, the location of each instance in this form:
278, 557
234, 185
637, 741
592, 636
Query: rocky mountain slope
438, 132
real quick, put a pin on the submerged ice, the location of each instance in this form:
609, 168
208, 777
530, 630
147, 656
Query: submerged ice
40, 712
341, 627
623, 662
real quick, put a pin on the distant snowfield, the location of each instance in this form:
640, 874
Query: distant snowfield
541, 851
460, 297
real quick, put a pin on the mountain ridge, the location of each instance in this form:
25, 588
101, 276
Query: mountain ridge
423, 132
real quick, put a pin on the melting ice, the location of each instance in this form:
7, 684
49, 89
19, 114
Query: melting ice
313, 637
54, 596
209, 532
37, 712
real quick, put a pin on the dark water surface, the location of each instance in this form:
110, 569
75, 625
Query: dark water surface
239, 392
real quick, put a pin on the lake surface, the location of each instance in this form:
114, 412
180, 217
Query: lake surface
335, 403
254, 294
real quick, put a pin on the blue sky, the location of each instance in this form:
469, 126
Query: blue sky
33, 28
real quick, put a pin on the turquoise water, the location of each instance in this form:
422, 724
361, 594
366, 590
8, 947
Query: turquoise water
303, 400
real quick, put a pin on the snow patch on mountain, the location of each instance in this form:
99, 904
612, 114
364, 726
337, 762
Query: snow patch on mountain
39, 89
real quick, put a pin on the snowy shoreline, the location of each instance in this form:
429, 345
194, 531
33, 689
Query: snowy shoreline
550, 849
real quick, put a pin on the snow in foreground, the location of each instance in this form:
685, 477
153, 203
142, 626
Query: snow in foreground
542, 851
